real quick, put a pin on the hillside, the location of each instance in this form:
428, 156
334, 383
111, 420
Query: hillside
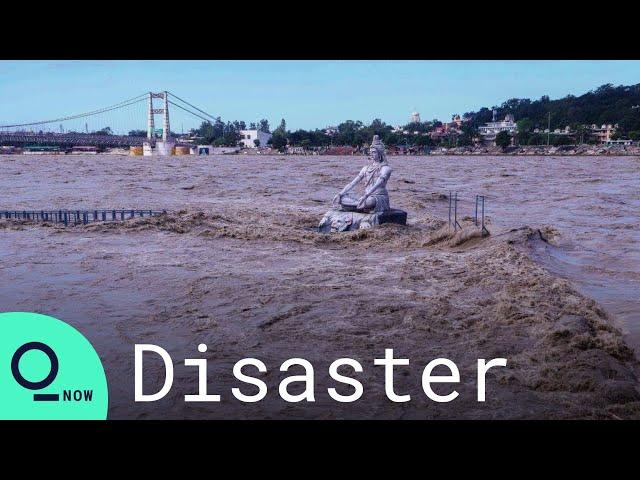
606, 104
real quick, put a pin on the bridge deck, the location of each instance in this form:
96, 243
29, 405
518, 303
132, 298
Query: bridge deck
71, 139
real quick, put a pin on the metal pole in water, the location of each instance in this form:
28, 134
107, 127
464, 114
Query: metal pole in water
455, 213
475, 216
484, 230
449, 208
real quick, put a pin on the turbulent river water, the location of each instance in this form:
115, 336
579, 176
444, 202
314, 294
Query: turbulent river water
246, 274
592, 202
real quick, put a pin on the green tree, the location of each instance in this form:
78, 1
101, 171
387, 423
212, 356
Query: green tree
503, 139
419, 127
263, 125
391, 139
282, 128
582, 134
424, 141
279, 141
465, 140
525, 126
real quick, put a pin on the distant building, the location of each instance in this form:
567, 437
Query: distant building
604, 133
7, 149
447, 129
622, 141
331, 131
248, 137
415, 117
440, 131
42, 150
489, 130
295, 150
82, 150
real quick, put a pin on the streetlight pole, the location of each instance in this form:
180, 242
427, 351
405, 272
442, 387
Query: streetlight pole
549, 129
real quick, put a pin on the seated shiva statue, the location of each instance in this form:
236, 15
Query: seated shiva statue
375, 176
372, 208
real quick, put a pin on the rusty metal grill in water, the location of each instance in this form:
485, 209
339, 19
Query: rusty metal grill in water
480, 222
75, 217
478, 216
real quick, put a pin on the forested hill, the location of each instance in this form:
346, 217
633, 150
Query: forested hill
606, 104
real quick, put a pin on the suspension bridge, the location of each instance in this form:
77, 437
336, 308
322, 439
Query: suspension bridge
127, 123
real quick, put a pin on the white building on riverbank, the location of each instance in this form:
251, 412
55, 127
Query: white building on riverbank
489, 130
248, 138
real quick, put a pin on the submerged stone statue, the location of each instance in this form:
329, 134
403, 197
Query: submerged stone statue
350, 212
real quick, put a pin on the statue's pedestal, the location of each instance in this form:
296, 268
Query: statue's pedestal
341, 221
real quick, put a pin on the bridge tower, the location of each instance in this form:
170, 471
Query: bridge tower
150, 124
163, 111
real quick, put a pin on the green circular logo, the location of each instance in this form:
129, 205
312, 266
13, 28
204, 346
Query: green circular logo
48, 371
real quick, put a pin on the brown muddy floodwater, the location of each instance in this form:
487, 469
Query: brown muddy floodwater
236, 264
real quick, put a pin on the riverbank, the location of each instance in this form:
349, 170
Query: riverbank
528, 150
543, 150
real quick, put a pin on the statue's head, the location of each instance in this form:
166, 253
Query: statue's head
376, 150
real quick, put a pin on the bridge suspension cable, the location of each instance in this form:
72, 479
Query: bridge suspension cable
189, 111
191, 105
125, 103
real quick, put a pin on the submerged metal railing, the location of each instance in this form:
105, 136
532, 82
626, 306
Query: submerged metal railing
453, 206
480, 202
478, 217
74, 217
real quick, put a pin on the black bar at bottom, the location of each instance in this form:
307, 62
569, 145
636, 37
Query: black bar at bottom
46, 397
